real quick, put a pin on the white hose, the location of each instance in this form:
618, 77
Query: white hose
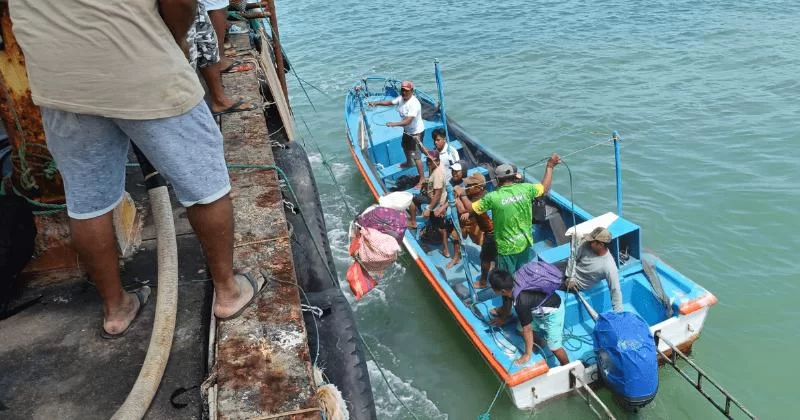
143, 391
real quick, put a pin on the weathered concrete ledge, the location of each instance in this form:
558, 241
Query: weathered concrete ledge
262, 361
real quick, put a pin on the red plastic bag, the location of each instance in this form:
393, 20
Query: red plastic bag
360, 281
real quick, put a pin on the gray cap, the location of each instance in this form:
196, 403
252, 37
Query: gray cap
505, 170
600, 234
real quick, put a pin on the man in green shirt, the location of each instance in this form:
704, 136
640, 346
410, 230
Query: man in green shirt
511, 206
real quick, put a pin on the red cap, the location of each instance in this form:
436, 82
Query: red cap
407, 84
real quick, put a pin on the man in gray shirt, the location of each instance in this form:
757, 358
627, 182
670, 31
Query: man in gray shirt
593, 263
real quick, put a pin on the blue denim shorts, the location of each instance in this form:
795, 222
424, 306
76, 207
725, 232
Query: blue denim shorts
91, 152
551, 327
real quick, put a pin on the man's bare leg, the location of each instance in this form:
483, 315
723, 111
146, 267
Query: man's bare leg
456, 254
445, 250
421, 172
412, 216
561, 355
94, 241
213, 78
219, 20
213, 224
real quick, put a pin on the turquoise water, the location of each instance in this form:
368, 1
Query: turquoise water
707, 99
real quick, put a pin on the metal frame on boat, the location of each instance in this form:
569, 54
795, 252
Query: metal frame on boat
376, 152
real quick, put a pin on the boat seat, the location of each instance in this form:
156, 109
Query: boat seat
604, 220
395, 171
556, 223
555, 254
483, 171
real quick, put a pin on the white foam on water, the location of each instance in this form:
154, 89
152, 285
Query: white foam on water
341, 169
415, 399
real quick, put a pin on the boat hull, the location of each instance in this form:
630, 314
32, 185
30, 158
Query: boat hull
541, 380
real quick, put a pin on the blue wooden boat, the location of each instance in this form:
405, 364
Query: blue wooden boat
676, 315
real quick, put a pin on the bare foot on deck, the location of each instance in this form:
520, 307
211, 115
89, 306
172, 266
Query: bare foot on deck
411, 225
229, 305
480, 285
453, 262
446, 253
225, 62
227, 105
117, 321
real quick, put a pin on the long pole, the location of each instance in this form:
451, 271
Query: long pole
451, 202
276, 46
618, 169
366, 125
441, 97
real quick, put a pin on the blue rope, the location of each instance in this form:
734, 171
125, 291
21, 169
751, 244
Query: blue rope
486, 414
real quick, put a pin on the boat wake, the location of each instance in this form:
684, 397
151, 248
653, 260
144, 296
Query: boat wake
415, 399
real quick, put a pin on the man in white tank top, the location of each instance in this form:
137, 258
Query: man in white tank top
410, 111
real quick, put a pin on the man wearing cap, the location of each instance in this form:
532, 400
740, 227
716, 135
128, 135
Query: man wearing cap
410, 111
457, 173
478, 226
448, 155
434, 195
593, 263
511, 206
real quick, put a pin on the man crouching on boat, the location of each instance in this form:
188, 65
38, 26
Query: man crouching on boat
593, 263
535, 310
410, 111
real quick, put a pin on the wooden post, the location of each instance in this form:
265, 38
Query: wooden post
34, 171
276, 47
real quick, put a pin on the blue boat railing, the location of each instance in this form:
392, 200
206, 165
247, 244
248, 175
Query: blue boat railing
451, 202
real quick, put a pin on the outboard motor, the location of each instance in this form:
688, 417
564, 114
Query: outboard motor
627, 358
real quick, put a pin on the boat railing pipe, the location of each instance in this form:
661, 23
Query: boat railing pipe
451, 203
366, 125
441, 97
618, 170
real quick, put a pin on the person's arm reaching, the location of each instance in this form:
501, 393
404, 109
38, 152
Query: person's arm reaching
380, 103
612, 275
547, 179
402, 123
179, 16
527, 335
436, 200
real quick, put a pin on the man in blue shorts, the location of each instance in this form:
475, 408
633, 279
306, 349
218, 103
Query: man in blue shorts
115, 74
540, 315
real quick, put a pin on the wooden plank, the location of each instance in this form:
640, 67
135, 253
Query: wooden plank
262, 359
274, 84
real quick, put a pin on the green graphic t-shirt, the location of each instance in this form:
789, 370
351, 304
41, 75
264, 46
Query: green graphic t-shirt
512, 215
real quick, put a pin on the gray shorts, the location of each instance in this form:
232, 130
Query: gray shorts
91, 151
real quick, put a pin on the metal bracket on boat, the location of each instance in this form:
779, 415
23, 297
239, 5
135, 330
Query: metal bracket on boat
698, 384
585, 391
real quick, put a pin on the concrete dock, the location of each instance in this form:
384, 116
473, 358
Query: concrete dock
55, 365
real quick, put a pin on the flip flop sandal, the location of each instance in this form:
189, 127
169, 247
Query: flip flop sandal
238, 66
143, 295
256, 292
236, 107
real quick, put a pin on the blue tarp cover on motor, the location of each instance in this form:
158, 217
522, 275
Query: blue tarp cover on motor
626, 354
